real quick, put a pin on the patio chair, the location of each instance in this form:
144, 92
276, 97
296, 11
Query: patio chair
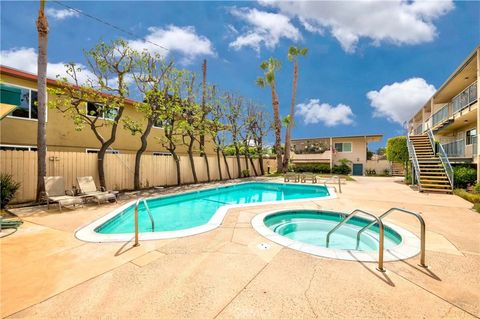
291, 176
309, 176
89, 189
55, 192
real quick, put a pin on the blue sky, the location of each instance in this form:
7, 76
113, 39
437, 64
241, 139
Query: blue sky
368, 68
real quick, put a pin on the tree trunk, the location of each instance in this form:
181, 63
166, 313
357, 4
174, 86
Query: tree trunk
226, 165
260, 158
219, 163
207, 166
253, 166
192, 160
177, 166
42, 28
237, 154
204, 111
138, 156
288, 134
278, 128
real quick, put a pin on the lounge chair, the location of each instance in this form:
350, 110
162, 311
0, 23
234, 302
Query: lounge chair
309, 176
55, 192
89, 189
291, 176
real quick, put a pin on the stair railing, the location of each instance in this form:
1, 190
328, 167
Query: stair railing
413, 156
440, 152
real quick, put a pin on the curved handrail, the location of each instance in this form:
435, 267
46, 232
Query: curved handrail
339, 182
380, 233
422, 230
443, 157
413, 155
141, 199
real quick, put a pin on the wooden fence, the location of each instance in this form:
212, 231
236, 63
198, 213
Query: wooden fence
119, 169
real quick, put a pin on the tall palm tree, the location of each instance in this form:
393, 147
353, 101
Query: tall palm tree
269, 67
42, 28
293, 53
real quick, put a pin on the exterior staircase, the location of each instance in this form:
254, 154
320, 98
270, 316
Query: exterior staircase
433, 176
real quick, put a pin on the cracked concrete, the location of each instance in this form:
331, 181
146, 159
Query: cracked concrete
47, 273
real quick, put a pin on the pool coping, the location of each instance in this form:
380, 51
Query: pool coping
87, 232
408, 247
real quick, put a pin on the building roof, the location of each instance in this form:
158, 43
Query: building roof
33, 77
370, 137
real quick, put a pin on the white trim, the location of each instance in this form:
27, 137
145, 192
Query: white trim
87, 233
29, 101
408, 247
109, 151
28, 147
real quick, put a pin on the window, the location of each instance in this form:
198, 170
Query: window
343, 147
96, 150
471, 136
24, 98
95, 109
5, 147
161, 154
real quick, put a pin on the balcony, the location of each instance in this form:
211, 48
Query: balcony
465, 98
455, 149
418, 130
441, 115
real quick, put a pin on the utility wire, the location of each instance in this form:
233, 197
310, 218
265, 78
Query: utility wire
107, 23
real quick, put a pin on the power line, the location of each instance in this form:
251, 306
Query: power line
107, 23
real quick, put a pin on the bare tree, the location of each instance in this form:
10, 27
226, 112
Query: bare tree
232, 114
42, 28
260, 128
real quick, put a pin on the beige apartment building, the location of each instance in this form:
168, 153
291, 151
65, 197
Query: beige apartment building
19, 129
452, 113
329, 150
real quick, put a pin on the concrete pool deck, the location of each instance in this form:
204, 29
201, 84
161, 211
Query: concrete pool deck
47, 273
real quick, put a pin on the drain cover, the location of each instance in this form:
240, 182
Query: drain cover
263, 246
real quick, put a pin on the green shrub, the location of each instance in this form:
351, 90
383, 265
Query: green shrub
8, 188
246, 173
386, 172
464, 175
476, 189
471, 197
312, 168
370, 172
342, 169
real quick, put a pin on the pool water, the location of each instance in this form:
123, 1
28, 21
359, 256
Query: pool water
312, 227
192, 209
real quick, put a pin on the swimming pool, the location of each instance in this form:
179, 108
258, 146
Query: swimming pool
193, 212
306, 231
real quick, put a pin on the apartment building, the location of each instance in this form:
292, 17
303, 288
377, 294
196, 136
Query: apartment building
19, 129
452, 113
329, 150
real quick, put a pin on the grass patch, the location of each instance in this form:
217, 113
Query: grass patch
471, 197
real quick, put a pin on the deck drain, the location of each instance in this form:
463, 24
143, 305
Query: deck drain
263, 246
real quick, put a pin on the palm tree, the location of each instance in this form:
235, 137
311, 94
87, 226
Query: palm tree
42, 28
293, 53
269, 67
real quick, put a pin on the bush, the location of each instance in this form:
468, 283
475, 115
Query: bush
311, 168
8, 188
464, 175
370, 172
386, 172
342, 169
471, 197
476, 189
246, 173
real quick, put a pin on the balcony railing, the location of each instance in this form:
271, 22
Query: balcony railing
455, 149
418, 130
440, 116
465, 98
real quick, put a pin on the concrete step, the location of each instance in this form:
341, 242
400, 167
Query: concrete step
434, 190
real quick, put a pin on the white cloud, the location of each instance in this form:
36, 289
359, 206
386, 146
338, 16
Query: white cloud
183, 40
25, 59
61, 14
264, 28
397, 21
315, 112
399, 101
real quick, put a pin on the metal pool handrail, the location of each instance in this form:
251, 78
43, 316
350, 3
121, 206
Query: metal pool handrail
141, 199
380, 233
339, 182
422, 230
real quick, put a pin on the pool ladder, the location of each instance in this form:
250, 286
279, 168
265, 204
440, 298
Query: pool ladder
141, 199
378, 220
333, 178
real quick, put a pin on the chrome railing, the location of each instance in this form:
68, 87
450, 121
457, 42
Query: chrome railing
332, 178
380, 234
441, 115
418, 130
464, 98
455, 148
443, 157
422, 230
141, 199
414, 159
